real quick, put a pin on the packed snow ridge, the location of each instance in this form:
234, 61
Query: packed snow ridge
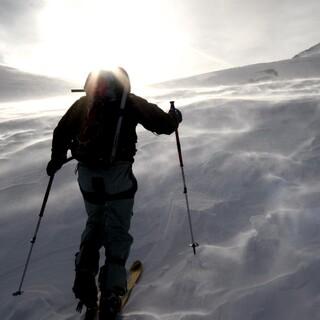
313, 51
251, 146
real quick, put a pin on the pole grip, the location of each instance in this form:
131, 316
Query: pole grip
172, 107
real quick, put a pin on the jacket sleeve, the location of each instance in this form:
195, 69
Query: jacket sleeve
153, 118
64, 133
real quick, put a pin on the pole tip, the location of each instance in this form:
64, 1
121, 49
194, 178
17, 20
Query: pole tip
194, 246
17, 293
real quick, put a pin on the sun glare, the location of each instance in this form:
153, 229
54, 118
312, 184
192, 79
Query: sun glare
152, 40
78, 36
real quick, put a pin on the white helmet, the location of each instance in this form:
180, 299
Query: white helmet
107, 83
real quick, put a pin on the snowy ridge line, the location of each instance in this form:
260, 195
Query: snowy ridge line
178, 315
312, 51
256, 83
185, 102
266, 98
277, 90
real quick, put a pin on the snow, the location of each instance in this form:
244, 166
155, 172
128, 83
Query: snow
251, 144
313, 51
18, 85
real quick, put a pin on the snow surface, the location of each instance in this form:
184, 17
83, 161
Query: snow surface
251, 146
313, 51
18, 85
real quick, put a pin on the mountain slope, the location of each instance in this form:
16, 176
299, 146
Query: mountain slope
18, 85
306, 67
251, 153
311, 52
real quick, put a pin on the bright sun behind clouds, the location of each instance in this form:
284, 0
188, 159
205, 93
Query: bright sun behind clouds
146, 37
78, 36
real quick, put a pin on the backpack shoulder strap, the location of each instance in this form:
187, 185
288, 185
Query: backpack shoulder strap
119, 124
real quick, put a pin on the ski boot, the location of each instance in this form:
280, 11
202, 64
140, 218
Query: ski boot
109, 306
86, 291
91, 314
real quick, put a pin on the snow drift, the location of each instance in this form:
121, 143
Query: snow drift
251, 146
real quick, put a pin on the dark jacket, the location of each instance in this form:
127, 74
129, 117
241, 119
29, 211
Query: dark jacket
69, 131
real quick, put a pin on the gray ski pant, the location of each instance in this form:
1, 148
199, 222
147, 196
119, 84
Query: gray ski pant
108, 196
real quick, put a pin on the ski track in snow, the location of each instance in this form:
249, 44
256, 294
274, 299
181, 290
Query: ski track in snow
251, 154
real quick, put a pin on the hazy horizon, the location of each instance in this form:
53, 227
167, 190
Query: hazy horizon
154, 41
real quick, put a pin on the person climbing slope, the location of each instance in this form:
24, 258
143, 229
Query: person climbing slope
100, 130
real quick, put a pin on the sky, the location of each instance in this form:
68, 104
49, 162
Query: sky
155, 40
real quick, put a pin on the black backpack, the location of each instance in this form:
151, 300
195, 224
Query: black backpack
97, 134
98, 138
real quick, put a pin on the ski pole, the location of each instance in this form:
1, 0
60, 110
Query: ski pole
185, 190
34, 238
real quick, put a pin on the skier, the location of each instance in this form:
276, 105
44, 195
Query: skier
105, 156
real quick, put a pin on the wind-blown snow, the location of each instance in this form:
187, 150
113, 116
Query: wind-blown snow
251, 146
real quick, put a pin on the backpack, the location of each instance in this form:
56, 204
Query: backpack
98, 139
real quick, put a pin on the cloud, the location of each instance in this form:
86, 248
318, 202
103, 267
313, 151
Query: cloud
250, 31
209, 34
17, 20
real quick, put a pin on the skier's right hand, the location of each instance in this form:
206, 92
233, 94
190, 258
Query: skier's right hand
176, 114
54, 165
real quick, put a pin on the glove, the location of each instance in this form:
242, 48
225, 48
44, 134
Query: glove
54, 165
176, 113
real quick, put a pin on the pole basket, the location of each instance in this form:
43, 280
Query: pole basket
194, 246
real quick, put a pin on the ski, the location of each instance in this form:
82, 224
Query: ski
134, 275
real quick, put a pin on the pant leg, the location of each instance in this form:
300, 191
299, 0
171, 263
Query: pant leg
111, 191
117, 243
87, 259
117, 239
91, 239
